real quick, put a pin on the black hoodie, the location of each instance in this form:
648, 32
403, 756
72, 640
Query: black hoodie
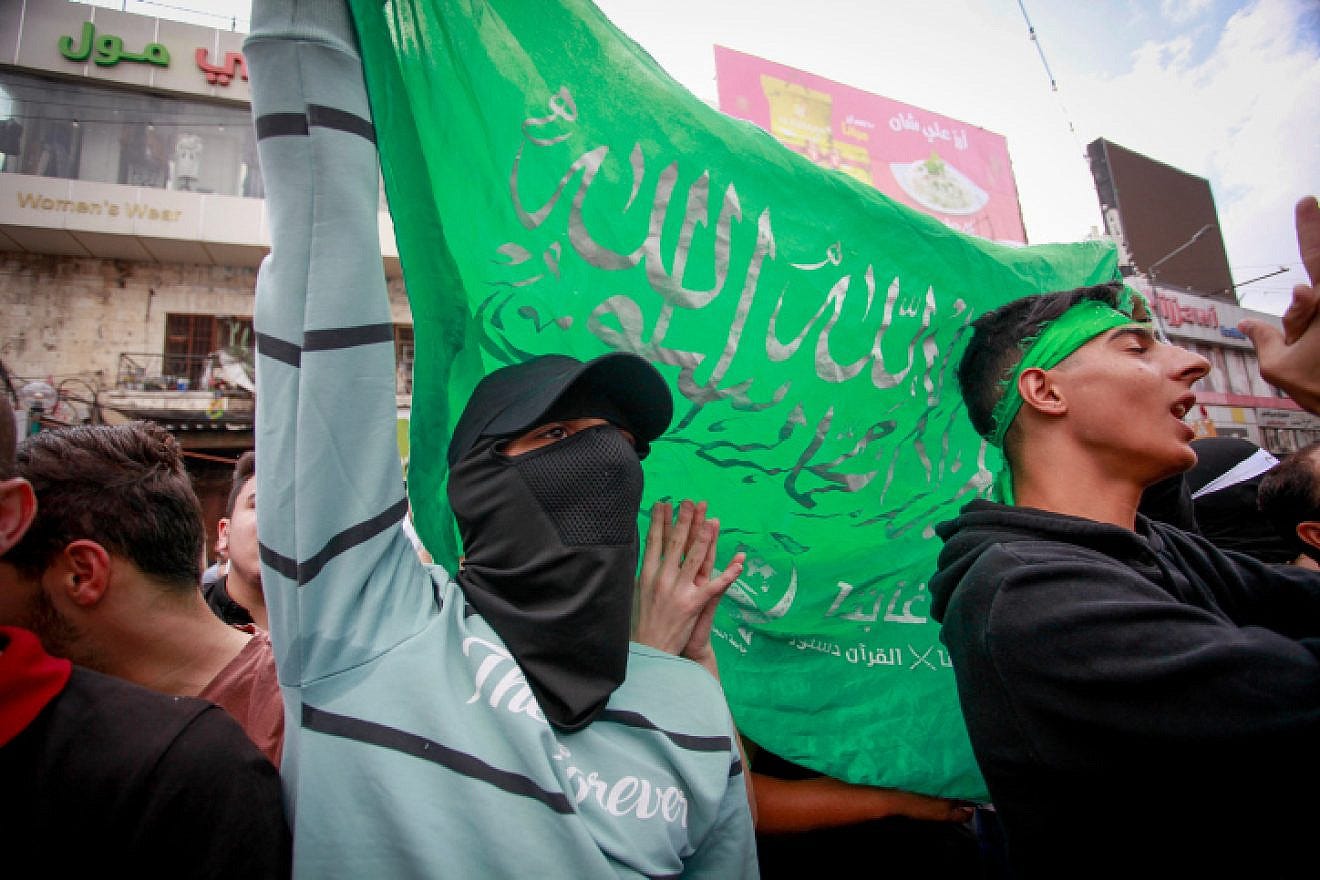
1140, 703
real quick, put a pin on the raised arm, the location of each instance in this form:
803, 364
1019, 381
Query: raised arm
330, 480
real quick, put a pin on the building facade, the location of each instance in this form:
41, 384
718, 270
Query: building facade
1234, 400
132, 226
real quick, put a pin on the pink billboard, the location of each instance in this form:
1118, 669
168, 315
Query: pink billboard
956, 172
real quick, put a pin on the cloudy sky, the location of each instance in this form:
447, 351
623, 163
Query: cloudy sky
1225, 89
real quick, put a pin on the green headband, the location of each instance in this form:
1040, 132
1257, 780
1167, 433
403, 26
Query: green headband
1054, 342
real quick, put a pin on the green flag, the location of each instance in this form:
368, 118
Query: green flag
553, 190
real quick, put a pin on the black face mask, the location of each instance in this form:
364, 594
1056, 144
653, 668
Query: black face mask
550, 554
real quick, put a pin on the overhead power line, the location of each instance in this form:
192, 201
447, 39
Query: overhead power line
232, 19
1049, 74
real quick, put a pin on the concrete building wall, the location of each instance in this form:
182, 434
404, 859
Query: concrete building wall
66, 316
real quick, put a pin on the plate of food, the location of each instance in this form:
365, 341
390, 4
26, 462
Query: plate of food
937, 185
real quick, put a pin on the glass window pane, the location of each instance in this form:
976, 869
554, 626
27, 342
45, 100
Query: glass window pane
1238, 380
1259, 386
1217, 379
98, 133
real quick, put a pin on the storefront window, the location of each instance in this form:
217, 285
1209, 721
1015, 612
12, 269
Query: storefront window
108, 135
1259, 386
1239, 382
1214, 380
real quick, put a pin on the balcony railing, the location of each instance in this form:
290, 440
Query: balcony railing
216, 371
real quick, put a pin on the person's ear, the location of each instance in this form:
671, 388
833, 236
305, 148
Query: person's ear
222, 538
80, 572
18, 507
1040, 392
1309, 532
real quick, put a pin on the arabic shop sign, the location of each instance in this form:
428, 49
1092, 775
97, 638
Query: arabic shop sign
955, 172
224, 74
108, 50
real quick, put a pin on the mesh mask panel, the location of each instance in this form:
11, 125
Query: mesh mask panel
589, 485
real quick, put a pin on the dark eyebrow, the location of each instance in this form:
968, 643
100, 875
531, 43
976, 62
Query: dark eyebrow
1143, 333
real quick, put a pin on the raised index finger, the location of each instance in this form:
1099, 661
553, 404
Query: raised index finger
1307, 216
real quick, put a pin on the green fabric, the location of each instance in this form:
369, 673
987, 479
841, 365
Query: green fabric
553, 190
1046, 350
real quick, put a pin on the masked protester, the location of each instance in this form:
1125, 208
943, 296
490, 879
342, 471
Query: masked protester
495, 722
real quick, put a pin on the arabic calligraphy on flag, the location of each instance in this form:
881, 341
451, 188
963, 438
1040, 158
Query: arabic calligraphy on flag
553, 190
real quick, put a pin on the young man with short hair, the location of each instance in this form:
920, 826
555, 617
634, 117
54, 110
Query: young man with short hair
1289, 496
98, 771
1140, 702
111, 566
236, 596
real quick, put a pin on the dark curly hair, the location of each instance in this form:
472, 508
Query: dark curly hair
999, 337
1290, 494
122, 486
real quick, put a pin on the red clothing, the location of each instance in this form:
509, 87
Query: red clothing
249, 689
29, 679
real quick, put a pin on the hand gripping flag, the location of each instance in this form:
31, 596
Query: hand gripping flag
553, 190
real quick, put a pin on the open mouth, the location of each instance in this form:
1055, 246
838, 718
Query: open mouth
1182, 407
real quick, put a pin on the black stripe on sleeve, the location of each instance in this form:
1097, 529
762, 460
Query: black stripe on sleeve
283, 564
305, 572
350, 538
340, 120
375, 734
272, 125
347, 337
279, 350
690, 741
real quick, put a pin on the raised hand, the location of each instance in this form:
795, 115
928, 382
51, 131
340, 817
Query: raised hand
1291, 360
679, 587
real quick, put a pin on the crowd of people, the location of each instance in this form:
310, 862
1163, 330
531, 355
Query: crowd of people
1142, 698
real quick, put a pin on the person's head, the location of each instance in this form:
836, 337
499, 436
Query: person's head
18, 504
1289, 496
1086, 361
111, 500
518, 423
545, 484
237, 530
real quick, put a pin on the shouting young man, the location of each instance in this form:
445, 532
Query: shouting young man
1140, 703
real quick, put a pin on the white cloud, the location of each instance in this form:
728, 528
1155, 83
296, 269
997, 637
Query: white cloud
1246, 117
1183, 11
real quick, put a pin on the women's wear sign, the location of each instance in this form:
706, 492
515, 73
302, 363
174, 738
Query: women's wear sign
954, 171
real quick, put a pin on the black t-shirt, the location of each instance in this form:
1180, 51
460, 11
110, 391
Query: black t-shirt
216, 594
111, 778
